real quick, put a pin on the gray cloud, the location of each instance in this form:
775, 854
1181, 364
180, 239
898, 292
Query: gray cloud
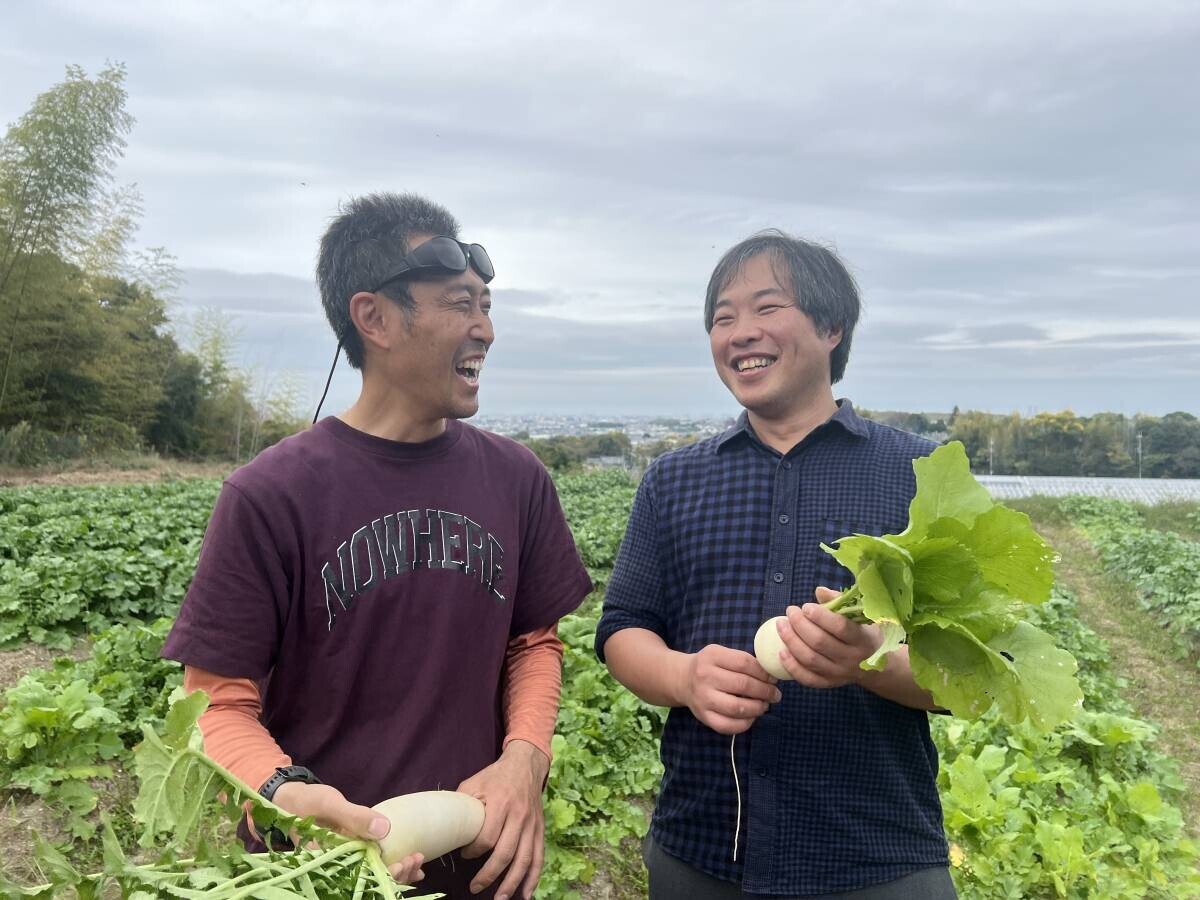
1013, 185
999, 334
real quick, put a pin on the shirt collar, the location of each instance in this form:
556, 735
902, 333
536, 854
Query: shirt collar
845, 417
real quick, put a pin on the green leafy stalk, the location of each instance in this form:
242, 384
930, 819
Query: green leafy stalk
953, 586
848, 603
179, 786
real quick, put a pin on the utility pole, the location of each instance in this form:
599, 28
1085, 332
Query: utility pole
1139, 453
991, 453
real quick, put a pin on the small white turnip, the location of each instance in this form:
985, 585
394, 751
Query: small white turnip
767, 646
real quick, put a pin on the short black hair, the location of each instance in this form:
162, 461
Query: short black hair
363, 245
818, 280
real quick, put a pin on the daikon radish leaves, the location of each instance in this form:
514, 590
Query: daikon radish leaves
953, 586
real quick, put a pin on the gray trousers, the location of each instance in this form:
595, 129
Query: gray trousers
673, 879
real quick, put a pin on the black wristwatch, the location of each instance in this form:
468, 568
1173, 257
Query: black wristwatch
284, 774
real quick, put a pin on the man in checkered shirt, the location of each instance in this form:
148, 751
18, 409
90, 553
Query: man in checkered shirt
823, 786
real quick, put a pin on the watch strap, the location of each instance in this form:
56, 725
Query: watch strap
284, 774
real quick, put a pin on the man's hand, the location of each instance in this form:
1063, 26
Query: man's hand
332, 810
513, 828
727, 689
824, 648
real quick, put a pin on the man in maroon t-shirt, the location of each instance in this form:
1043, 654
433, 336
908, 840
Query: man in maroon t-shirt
364, 603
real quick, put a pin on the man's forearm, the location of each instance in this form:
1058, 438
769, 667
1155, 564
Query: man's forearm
896, 683
234, 735
642, 661
532, 683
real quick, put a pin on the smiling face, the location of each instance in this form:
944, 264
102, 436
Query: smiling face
766, 350
436, 351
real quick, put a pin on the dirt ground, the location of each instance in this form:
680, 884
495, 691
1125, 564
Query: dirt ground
152, 470
15, 663
21, 814
20, 818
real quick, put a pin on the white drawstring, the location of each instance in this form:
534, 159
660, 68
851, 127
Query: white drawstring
737, 786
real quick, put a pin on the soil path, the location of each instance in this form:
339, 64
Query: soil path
157, 470
26, 658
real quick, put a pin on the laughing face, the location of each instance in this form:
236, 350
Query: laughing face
440, 349
766, 350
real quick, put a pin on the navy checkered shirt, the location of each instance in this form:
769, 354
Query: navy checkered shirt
838, 785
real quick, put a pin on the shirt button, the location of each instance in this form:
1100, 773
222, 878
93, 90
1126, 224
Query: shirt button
762, 773
787, 463
777, 578
784, 519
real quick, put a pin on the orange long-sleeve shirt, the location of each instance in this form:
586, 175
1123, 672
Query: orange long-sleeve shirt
235, 737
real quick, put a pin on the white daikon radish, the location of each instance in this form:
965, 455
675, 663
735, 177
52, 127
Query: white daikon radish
767, 645
431, 823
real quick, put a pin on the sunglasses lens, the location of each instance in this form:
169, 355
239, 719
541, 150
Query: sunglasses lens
443, 253
448, 255
482, 263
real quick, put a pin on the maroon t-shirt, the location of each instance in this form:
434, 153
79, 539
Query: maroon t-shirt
372, 588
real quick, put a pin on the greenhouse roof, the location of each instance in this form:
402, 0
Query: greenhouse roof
1137, 490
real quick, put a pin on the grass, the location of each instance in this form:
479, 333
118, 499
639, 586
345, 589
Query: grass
1180, 516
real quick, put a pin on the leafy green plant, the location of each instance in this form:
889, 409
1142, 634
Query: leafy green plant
63, 727
953, 585
75, 559
180, 789
605, 767
597, 506
1086, 811
606, 763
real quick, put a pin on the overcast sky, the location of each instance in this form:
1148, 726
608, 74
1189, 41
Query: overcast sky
1016, 186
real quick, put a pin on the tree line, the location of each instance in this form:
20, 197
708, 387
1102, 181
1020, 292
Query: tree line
1052, 443
1107, 444
90, 359
565, 452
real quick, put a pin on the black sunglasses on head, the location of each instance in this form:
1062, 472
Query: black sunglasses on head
443, 255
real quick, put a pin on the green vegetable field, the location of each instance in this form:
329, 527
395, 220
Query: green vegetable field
1096, 808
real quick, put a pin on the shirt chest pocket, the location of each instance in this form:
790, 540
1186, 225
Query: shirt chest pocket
828, 571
